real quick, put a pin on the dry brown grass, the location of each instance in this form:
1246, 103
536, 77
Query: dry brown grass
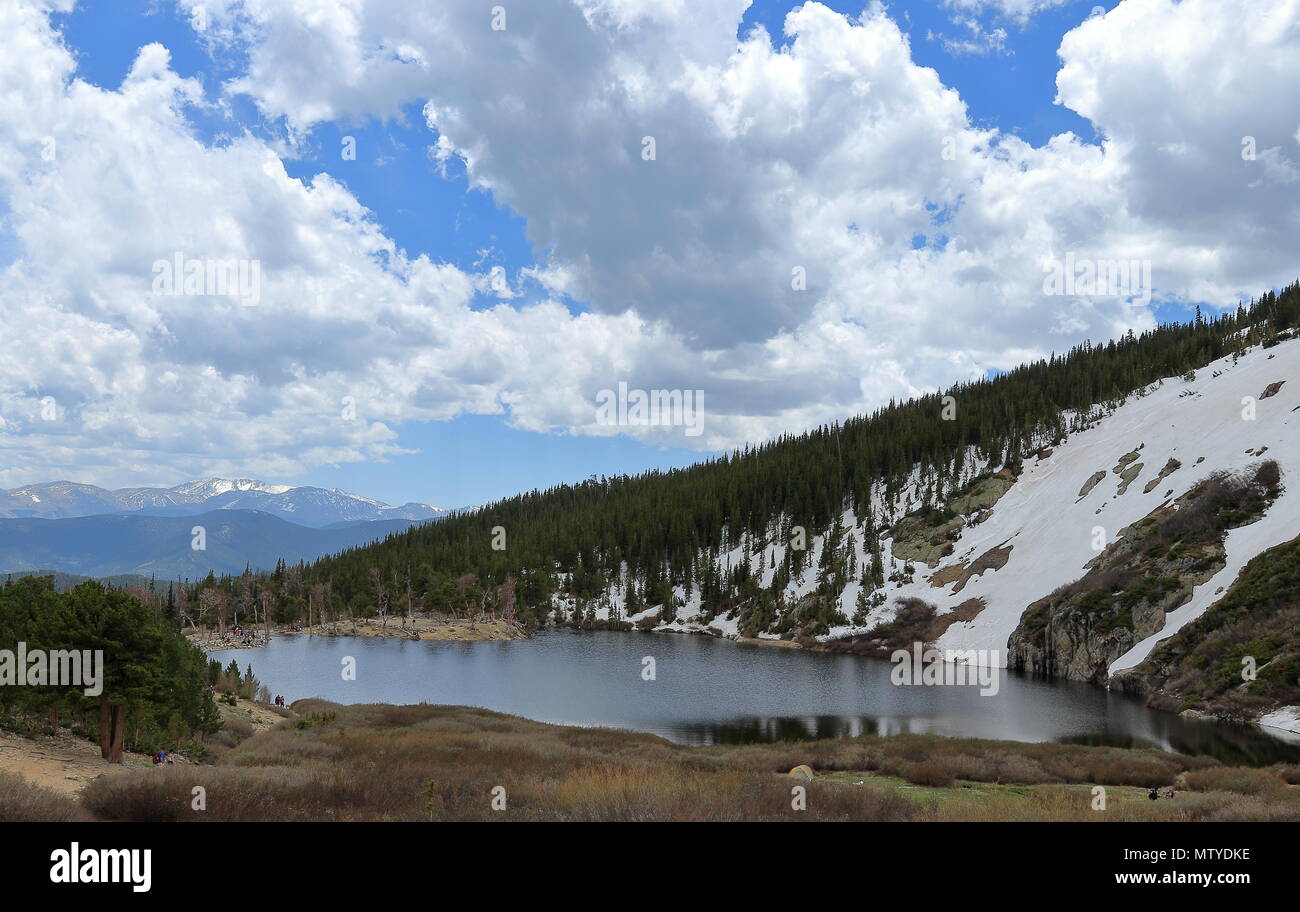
376, 763
1002, 762
442, 763
21, 800
1288, 772
1238, 779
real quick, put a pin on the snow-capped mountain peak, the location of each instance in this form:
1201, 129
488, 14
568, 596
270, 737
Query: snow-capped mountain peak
211, 487
301, 504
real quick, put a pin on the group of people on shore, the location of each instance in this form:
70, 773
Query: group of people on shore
244, 636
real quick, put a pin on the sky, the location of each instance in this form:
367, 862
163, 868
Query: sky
464, 225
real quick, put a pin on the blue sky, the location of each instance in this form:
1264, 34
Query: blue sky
1006, 77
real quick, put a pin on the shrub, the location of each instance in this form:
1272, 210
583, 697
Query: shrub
930, 772
1239, 779
1268, 474
21, 800
1287, 772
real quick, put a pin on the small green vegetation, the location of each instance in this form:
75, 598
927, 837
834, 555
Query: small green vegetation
1256, 625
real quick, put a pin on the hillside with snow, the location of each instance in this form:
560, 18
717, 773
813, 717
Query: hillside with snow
1074, 497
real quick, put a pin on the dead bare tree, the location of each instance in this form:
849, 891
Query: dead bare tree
381, 597
183, 605
212, 602
244, 596
267, 600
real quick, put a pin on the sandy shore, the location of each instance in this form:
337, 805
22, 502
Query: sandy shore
397, 628
419, 628
758, 641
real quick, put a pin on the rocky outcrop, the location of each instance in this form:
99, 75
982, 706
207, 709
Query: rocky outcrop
1070, 636
1091, 483
1125, 460
961, 574
1080, 629
1272, 389
1127, 477
1241, 657
926, 536
1173, 465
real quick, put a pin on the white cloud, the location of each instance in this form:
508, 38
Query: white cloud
977, 40
1019, 10
826, 154
1175, 112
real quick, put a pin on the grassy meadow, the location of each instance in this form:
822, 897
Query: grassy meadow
439, 763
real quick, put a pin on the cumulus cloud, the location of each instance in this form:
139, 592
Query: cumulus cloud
831, 162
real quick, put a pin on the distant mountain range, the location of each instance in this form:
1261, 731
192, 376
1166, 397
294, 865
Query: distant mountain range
301, 505
162, 546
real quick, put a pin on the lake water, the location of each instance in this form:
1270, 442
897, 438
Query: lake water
708, 690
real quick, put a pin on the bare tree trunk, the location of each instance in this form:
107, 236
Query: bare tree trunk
112, 729
105, 736
119, 732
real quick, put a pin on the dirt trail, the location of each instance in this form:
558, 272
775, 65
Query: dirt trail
64, 763
67, 764
259, 715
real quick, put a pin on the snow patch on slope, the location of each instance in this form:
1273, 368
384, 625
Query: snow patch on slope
1286, 718
1051, 530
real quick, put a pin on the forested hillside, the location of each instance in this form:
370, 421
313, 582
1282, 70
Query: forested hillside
662, 530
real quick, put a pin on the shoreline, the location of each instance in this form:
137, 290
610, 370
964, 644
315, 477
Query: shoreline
464, 630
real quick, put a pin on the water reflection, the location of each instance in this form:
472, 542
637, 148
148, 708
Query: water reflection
708, 691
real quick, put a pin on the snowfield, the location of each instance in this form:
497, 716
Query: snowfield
1051, 529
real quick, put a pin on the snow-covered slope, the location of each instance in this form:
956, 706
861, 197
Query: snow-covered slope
304, 505
1220, 419
1203, 423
